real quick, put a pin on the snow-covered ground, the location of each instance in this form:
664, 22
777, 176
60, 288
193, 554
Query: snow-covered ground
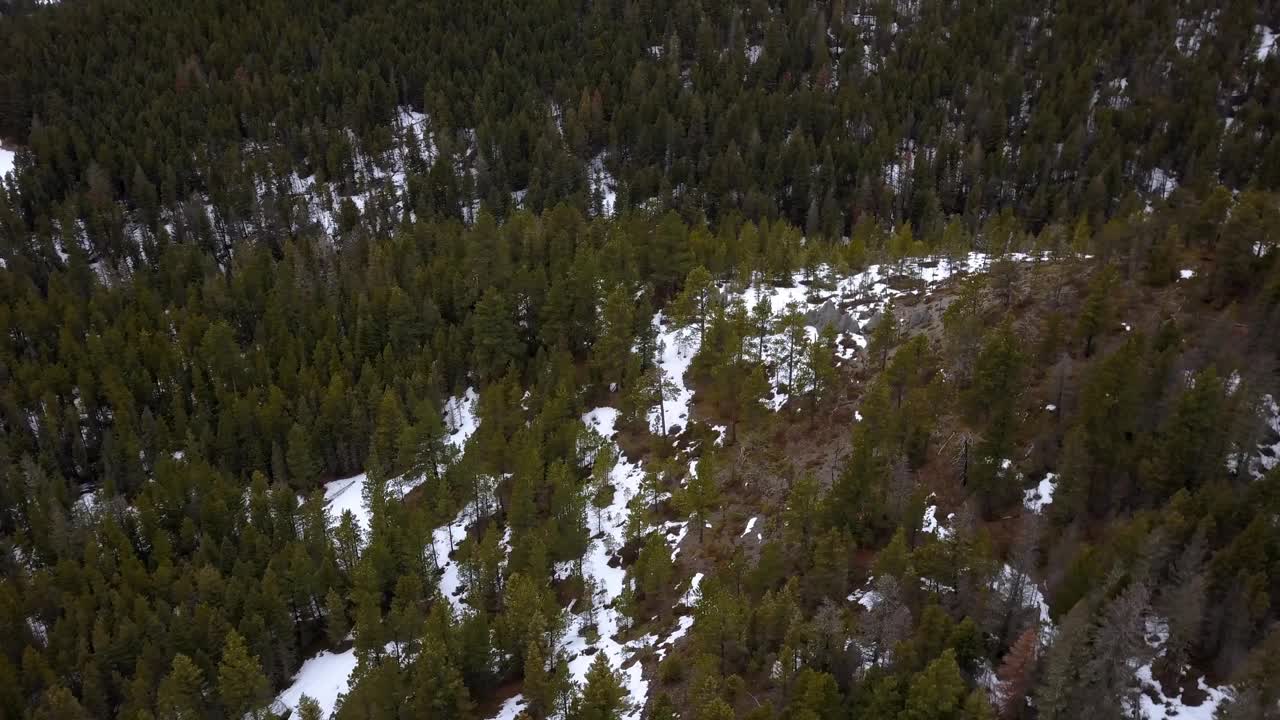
326, 675
604, 185
1161, 182
1154, 703
347, 495
625, 478
1264, 456
443, 540
1166, 707
6, 161
1041, 495
851, 302
461, 419
866, 596
676, 349
323, 678
1008, 580
1266, 43
1268, 455
929, 523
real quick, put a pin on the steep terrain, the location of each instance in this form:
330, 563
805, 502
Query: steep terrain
633, 360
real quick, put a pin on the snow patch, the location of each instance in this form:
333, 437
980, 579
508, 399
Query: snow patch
1266, 43
603, 185
347, 495
866, 597
691, 595
460, 417
676, 347
85, 504
1161, 182
1030, 596
1268, 454
851, 303
1167, 707
1036, 498
323, 678
511, 709
929, 523
7, 161
626, 478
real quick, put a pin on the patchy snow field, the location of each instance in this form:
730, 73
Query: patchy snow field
326, 675
851, 303
1154, 703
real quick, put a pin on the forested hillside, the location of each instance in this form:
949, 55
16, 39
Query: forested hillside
639, 359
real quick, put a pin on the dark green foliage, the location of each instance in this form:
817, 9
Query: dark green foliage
219, 293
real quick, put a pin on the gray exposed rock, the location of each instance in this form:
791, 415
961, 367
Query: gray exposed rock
828, 313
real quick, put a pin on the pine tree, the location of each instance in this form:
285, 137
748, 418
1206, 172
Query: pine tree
937, 692
692, 307
384, 446
614, 338
304, 468
1183, 603
795, 340
242, 686
370, 630
653, 567
1194, 442
761, 326
1095, 316
181, 694
336, 623
993, 396
568, 510
424, 450
1017, 673
655, 390
701, 494
58, 703
603, 697
901, 242
543, 686
800, 515
883, 336
495, 338
741, 390
348, 539
719, 627
438, 688
822, 368
309, 709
